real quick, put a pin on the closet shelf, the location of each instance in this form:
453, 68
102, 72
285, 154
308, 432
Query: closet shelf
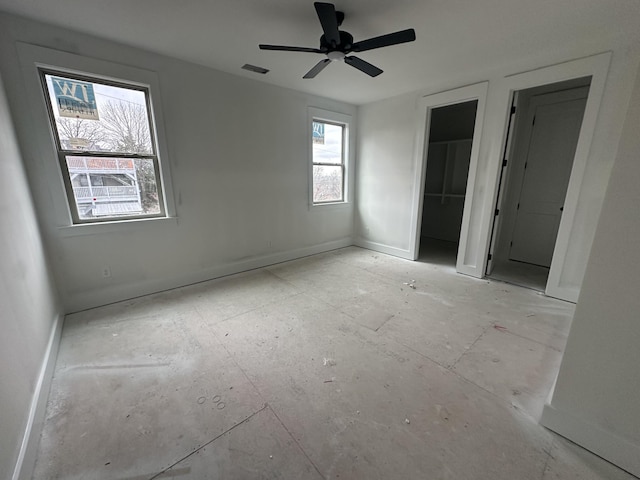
452, 195
447, 169
447, 142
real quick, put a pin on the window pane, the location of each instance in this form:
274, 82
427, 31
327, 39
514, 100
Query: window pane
113, 187
92, 116
327, 143
327, 183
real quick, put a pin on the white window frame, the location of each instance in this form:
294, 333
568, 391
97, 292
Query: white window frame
65, 154
33, 59
335, 118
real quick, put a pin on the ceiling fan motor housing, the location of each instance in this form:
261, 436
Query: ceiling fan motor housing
346, 42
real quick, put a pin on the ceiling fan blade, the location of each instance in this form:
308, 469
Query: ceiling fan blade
329, 21
387, 40
363, 66
317, 68
286, 48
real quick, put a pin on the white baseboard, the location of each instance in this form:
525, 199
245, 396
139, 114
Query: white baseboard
120, 292
615, 449
382, 248
568, 294
31, 439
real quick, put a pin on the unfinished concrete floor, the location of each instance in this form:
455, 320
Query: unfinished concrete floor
331, 366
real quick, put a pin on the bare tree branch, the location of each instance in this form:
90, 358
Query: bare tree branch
88, 130
126, 127
327, 184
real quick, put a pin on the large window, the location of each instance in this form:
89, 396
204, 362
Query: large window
329, 145
105, 141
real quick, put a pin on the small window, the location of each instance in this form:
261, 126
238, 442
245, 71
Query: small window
328, 152
105, 140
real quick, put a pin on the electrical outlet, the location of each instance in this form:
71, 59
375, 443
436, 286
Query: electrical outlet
106, 272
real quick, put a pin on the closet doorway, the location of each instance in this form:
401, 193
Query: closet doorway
447, 169
447, 150
544, 132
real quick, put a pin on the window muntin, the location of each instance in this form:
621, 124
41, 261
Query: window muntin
105, 141
328, 162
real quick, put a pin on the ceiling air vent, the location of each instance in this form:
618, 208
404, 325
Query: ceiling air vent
253, 68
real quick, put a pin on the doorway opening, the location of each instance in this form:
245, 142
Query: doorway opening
450, 139
539, 153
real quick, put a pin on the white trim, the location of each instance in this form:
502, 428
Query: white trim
314, 113
615, 449
33, 57
382, 248
30, 441
114, 227
597, 68
427, 103
117, 293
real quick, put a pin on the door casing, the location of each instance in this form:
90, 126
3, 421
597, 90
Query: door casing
427, 103
596, 67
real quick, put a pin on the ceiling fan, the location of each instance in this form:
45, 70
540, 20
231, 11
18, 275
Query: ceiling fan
336, 44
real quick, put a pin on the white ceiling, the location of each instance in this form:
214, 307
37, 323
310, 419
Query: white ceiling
452, 35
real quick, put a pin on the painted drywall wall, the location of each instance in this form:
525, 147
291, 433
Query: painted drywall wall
387, 165
28, 299
385, 173
239, 161
595, 401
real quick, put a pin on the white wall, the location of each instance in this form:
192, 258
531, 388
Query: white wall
596, 401
385, 173
387, 166
28, 301
239, 160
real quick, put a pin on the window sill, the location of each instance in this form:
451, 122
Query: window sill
330, 205
114, 227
